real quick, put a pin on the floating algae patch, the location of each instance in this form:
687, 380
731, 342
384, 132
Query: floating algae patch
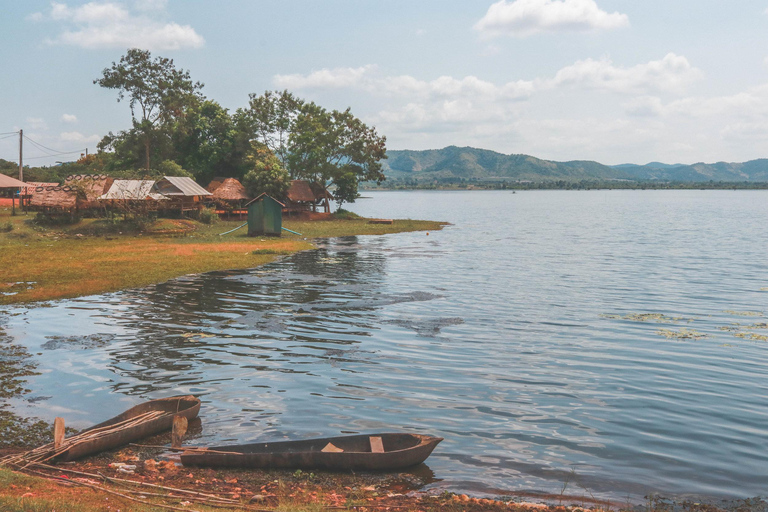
751, 336
743, 313
729, 328
658, 318
764, 289
761, 325
427, 328
81, 342
682, 334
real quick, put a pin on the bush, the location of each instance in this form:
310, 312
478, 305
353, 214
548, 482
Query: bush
6, 228
208, 216
56, 219
343, 214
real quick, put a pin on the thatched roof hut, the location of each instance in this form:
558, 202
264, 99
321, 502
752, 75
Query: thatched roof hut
304, 196
29, 190
215, 183
89, 188
229, 190
56, 197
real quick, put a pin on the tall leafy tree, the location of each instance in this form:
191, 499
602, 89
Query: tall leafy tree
330, 147
157, 92
208, 143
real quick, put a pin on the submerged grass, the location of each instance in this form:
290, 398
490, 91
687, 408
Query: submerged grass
43, 263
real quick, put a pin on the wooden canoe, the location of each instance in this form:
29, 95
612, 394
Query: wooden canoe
188, 406
366, 452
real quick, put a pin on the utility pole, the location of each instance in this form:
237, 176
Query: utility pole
21, 155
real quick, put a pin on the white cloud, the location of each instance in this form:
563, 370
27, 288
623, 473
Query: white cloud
523, 18
78, 137
37, 123
672, 73
325, 78
367, 78
35, 16
113, 25
69, 118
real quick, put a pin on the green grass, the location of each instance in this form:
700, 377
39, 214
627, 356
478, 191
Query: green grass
97, 255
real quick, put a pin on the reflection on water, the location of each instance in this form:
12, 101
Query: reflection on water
526, 335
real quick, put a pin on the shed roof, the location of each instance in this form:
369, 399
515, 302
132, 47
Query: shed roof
263, 196
229, 190
180, 186
8, 182
135, 190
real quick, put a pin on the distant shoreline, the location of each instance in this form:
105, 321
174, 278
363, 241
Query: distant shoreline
578, 185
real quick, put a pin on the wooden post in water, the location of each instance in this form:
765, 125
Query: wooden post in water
179, 429
58, 432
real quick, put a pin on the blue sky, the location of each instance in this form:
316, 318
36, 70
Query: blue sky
609, 80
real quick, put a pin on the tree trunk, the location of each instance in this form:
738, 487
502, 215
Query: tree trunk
146, 151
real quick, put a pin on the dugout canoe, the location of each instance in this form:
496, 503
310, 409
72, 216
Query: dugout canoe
187, 406
386, 451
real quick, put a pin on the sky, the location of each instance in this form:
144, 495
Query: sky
615, 81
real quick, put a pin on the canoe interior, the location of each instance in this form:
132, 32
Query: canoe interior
350, 444
174, 404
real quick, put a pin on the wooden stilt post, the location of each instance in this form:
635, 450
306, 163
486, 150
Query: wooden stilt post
58, 432
179, 429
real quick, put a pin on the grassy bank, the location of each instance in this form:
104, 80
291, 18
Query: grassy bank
43, 262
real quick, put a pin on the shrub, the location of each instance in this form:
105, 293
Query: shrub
56, 219
208, 216
6, 228
343, 214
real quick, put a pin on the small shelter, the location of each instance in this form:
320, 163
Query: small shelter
8, 182
183, 193
229, 195
29, 191
89, 188
303, 196
54, 198
133, 194
265, 216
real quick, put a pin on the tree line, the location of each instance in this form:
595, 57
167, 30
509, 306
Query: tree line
177, 131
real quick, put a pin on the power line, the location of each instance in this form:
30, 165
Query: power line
52, 156
44, 148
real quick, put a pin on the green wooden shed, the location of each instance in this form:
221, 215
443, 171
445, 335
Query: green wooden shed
265, 216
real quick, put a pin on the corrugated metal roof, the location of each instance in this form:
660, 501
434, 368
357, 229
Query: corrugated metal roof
184, 187
132, 190
8, 182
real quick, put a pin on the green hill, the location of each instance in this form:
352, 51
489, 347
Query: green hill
471, 164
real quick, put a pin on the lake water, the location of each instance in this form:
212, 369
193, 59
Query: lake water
517, 334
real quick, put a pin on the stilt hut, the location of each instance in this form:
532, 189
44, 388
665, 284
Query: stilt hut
229, 195
29, 191
265, 216
183, 193
54, 199
88, 188
8, 182
135, 196
303, 196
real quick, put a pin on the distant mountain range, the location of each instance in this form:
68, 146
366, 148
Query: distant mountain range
455, 163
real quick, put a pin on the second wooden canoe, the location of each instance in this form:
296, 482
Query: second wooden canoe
187, 406
387, 451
